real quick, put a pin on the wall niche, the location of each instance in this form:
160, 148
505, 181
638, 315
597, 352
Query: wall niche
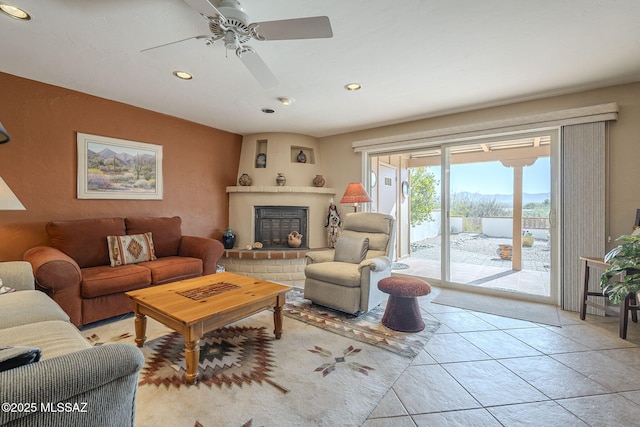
302, 155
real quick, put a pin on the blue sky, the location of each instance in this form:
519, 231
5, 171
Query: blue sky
493, 178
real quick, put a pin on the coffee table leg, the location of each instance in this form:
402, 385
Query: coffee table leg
277, 316
192, 356
141, 328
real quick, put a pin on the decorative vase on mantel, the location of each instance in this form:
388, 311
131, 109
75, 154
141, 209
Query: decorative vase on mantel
281, 180
318, 181
244, 180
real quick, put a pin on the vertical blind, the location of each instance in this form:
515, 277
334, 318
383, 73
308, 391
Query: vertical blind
583, 205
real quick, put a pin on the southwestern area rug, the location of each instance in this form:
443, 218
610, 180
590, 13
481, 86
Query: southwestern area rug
310, 377
365, 328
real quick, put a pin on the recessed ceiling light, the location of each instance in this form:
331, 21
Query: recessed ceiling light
286, 101
14, 12
268, 110
353, 86
182, 75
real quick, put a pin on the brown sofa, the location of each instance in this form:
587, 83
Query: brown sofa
76, 269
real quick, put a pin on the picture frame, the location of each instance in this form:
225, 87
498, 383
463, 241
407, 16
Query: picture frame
111, 168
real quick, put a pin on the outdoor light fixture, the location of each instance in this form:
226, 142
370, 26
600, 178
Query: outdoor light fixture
355, 193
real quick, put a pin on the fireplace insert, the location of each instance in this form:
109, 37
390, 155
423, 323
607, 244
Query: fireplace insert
274, 224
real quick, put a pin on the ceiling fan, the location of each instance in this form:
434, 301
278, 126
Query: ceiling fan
230, 23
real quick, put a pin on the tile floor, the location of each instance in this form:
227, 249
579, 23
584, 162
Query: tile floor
485, 370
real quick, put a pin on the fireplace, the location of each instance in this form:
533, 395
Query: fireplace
274, 224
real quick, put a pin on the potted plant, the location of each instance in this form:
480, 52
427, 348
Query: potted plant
527, 238
623, 274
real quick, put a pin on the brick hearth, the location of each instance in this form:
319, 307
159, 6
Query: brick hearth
282, 266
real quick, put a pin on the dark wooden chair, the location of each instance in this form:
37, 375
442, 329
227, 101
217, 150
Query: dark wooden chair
630, 304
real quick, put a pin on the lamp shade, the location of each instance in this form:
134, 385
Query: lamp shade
355, 193
4, 136
8, 200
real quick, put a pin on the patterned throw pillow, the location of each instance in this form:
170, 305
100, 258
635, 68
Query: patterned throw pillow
130, 249
5, 289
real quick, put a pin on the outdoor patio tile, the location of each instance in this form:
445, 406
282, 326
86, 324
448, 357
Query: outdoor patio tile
499, 344
492, 384
429, 388
467, 418
552, 378
603, 410
453, 348
536, 414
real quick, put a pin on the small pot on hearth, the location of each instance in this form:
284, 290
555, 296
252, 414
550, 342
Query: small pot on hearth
294, 240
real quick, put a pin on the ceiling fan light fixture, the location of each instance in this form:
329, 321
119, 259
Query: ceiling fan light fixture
268, 110
353, 86
286, 101
183, 75
14, 12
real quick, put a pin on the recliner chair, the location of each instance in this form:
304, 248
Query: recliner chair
346, 278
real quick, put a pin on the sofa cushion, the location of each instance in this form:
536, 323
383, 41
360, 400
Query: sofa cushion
339, 273
130, 249
14, 356
85, 240
350, 249
171, 269
107, 280
166, 232
24, 307
53, 337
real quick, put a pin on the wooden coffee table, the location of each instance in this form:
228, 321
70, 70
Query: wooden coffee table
196, 306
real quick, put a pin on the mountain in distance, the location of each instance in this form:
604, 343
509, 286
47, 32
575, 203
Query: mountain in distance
122, 158
507, 199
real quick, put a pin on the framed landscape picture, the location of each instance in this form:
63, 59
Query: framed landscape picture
110, 168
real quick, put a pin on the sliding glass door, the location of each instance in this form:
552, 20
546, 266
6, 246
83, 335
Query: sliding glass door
480, 215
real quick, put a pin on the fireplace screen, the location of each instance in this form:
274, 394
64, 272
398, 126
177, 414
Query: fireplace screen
275, 223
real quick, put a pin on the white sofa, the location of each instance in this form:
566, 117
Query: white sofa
74, 383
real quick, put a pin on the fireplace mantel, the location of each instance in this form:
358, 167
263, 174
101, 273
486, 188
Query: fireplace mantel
244, 199
278, 189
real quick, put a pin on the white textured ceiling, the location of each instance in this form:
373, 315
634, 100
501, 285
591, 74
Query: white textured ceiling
414, 58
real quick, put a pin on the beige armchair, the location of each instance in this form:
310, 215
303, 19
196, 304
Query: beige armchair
346, 278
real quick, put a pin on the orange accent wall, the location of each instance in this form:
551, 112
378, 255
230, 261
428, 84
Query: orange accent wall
40, 163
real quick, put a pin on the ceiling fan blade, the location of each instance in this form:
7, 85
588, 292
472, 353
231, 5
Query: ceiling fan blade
259, 69
175, 48
205, 7
316, 27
